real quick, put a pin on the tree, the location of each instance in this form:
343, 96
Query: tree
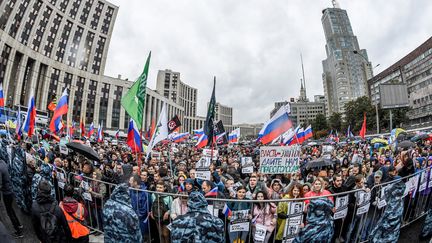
354, 111
319, 126
335, 121
320, 123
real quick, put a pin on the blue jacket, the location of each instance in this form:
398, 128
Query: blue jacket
140, 201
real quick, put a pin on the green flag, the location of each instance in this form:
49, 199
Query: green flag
134, 100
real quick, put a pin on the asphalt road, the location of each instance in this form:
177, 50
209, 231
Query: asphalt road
408, 234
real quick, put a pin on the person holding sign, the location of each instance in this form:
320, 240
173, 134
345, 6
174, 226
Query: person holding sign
264, 217
234, 235
283, 210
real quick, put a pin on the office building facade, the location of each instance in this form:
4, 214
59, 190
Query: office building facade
47, 46
414, 70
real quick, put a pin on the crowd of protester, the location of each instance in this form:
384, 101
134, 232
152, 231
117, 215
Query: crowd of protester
115, 195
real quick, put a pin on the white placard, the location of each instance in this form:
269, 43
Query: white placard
423, 181
279, 159
208, 153
202, 174
247, 170
381, 204
213, 211
341, 206
247, 165
239, 221
363, 202
260, 232
63, 149
295, 220
203, 163
87, 196
244, 226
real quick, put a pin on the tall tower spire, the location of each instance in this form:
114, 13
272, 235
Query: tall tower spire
335, 4
303, 96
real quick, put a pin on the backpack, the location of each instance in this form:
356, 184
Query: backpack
159, 208
48, 221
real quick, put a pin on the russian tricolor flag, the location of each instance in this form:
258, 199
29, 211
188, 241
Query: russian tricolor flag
198, 133
234, 136
1, 99
276, 126
308, 132
60, 110
30, 120
91, 130
134, 137
212, 193
227, 211
178, 138
293, 137
100, 134
202, 141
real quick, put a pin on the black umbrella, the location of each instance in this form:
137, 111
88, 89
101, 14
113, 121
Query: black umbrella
84, 150
406, 144
320, 162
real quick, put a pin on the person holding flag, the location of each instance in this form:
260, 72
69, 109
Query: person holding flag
91, 130
61, 109
2, 102
133, 137
30, 120
82, 128
100, 133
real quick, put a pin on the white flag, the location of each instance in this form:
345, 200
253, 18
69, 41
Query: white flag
161, 131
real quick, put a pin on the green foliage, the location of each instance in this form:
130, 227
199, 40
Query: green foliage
335, 121
320, 123
354, 111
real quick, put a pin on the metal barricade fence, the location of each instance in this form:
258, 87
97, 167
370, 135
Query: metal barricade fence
355, 212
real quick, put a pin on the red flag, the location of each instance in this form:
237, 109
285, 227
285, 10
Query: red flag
149, 132
82, 128
363, 129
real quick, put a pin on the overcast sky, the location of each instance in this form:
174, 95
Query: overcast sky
253, 46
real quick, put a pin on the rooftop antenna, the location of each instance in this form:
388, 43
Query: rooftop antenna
335, 4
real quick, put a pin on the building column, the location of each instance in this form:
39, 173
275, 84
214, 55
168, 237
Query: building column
7, 75
34, 79
97, 102
110, 106
45, 89
19, 79
83, 114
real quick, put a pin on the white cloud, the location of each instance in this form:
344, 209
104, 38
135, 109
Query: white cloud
253, 46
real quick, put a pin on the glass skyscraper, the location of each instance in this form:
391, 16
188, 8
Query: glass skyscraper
346, 68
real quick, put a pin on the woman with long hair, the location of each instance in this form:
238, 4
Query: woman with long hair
295, 192
239, 236
317, 190
264, 214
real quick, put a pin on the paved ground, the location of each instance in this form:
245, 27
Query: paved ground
409, 234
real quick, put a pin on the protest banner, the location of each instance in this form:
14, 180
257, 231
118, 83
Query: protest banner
341, 206
202, 168
279, 159
293, 222
239, 221
208, 153
247, 165
363, 202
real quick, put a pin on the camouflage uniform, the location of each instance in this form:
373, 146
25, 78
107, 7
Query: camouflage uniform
388, 226
3, 151
121, 223
427, 227
44, 174
20, 186
197, 225
320, 227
